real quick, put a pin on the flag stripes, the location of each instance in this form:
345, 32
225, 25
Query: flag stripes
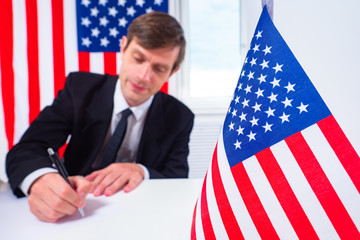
342, 147
285, 195
319, 207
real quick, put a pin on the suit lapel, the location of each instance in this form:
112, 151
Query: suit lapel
149, 148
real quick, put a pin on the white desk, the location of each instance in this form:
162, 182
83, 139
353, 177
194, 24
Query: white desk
157, 209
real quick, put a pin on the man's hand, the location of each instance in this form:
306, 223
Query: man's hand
116, 176
51, 197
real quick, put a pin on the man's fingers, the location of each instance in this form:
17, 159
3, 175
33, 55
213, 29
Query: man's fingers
133, 183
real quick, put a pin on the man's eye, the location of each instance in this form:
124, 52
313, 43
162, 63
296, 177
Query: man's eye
137, 59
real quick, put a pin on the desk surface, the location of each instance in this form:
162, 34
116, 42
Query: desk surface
157, 209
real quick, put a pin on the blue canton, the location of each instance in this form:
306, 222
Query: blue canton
102, 23
274, 97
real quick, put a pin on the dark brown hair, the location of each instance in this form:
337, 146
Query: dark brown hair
158, 30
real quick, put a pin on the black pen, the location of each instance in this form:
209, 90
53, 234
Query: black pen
62, 170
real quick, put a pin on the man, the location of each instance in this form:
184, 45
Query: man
156, 141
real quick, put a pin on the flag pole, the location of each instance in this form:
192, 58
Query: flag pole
270, 7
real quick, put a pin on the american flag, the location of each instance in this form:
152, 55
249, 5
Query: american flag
282, 166
42, 41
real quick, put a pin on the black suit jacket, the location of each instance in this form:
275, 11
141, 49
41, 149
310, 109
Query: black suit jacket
84, 110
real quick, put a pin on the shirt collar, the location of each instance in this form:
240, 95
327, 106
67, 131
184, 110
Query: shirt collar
120, 104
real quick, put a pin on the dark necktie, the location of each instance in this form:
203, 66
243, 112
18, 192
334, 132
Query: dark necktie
116, 139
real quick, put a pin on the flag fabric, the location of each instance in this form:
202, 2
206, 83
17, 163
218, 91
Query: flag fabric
42, 41
282, 167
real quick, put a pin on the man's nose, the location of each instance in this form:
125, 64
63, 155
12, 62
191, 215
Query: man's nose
145, 72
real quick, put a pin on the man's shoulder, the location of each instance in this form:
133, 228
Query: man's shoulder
171, 104
88, 76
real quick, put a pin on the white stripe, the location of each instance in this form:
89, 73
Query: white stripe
97, 63
268, 199
335, 172
20, 69
118, 62
46, 62
3, 139
215, 217
303, 191
199, 231
239, 209
70, 37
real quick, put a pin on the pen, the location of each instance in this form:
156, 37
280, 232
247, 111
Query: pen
62, 171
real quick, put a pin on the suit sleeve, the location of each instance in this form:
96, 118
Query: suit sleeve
50, 129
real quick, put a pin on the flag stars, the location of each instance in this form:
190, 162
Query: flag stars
290, 87
270, 112
85, 21
122, 22
302, 107
256, 107
113, 32
256, 48
149, 10
242, 73
240, 130
273, 97
85, 2
239, 86
231, 126
103, 2
248, 89
158, 2
85, 41
234, 113
122, 3
95, 32
237, 100
104, 42
251, 75
264, 64
262, 78
254, 121
130, 11
237, 144
275, 82
267, 50
245, 103
140, 3
287, 102
284, 118
253, 61
251, 136
267, 127
242, 117
104, 21
259, 93
112, 11
258, 35
94, 12
278, 67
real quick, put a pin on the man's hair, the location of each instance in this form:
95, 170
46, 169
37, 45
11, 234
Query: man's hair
158, 30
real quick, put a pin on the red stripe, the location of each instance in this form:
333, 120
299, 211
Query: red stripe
165, 88
193, 232
58, 43
322, 188
84, 61
7, 71
342, 148
205, 217
227, 215
285, 195
33, 59
110, 63
253, 204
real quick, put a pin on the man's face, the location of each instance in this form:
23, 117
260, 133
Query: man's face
144, 71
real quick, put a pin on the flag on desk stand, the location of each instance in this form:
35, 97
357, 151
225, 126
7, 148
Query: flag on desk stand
282, 166
41, 41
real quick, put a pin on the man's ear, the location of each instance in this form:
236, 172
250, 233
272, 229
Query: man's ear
123, 44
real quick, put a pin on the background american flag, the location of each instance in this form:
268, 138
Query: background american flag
282, 167
41, 41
